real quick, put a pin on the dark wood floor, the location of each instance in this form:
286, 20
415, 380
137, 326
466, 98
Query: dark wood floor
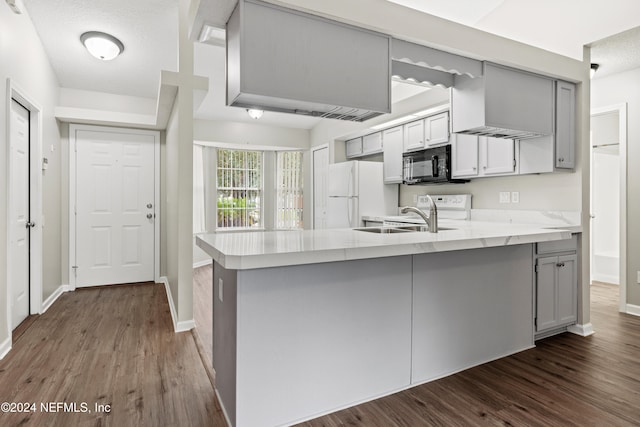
114, 346
566, 380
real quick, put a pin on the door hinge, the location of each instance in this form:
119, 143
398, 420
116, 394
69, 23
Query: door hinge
514, 163
75, 270
535, 321
536, 268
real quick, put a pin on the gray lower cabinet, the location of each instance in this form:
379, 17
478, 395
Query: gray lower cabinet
556, 288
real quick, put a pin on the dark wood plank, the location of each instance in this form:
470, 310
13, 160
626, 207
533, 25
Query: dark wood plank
566, 380
111, 345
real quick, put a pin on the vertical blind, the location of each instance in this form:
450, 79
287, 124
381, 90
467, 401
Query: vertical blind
240, 188
289, 190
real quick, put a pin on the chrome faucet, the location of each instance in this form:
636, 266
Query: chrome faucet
431, 220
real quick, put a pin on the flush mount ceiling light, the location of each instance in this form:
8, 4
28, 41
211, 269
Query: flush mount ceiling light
594, 68
102, 45
254, 113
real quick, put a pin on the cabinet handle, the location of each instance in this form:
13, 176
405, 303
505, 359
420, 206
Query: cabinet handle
560, 264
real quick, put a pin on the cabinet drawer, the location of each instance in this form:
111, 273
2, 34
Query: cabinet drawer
566, 245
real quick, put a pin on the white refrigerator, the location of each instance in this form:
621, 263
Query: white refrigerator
356, 189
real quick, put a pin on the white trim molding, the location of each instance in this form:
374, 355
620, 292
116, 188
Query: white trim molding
54, 297
14, 91
582, 330
632, 309
73, 129
183, 326
202, 263
5, 347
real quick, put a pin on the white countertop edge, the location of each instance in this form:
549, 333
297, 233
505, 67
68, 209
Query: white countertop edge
255, 261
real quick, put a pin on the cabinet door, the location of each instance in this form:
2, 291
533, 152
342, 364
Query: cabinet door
354, 147
464, 155
567, 277
565, 125
497, 155
372, 144
546, 312
436, 129
414, 136
392, 149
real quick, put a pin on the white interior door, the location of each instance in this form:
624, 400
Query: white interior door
320, 195
115, 207
605, 198
19, 214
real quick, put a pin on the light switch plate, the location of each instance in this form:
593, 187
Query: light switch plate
505, 197
515, 197
220, 289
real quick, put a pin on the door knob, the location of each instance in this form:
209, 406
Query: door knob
149, 205
149, 215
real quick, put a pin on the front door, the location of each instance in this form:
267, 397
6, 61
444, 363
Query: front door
19, 213
115, 206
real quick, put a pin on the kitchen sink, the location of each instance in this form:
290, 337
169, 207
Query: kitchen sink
382, 230
400, 229
422, 228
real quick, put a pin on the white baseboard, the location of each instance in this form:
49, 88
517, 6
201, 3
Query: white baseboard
183, 326
633, 309
582, 330
54, 296
202, 263
5, 346
614, 280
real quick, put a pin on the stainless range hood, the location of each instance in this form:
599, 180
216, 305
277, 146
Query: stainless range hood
287, 61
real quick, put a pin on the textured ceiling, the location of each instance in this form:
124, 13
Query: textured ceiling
562, 27
617, 53
147, 28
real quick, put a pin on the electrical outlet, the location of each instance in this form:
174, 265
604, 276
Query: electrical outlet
220, 289
638, 272
415, 199
515, 197
505, 197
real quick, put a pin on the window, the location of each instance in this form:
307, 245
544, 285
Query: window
289, 190
240, 188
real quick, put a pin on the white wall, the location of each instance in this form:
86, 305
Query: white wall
93, 100
24, 61
247, 135
611, 90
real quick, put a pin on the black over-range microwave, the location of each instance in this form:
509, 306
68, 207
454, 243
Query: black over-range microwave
430, 166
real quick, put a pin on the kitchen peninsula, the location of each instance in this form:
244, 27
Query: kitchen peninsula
309, 322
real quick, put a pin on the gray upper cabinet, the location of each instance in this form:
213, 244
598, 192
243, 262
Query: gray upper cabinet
372, 143
436, 129
556, 151
392, 146
503, 103
283, 60
353, 147
565, 125
414, 136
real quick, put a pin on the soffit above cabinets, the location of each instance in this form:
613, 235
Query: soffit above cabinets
421, 64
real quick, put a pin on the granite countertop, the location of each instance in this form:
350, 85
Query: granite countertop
249, 250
